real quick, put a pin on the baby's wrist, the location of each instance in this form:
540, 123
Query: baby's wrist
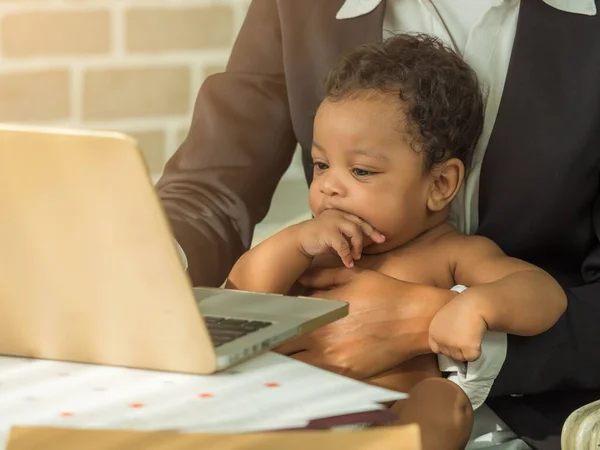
297, 236
480, 304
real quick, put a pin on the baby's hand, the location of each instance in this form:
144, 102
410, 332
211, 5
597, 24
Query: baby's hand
336, 231
457, 331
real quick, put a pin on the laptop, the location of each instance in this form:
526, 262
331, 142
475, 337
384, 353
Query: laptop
89, 270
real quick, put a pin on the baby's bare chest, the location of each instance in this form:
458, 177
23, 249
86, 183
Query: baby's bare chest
415, 265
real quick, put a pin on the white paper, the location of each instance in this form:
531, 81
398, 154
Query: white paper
266, 393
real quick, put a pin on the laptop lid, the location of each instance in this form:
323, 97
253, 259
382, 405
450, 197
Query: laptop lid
89, 271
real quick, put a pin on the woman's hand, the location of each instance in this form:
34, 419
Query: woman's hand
388, 322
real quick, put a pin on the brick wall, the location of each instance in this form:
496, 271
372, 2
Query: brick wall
126, 65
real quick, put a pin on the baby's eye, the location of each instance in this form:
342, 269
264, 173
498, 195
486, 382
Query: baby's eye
320, 166
361, 172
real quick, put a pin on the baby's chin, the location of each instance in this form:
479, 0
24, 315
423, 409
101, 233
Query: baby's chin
373, 248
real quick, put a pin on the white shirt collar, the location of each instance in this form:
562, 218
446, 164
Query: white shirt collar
356, 8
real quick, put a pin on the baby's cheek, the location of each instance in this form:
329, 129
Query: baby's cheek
314, 199
394, 224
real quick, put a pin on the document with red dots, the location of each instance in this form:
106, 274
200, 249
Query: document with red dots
266, 393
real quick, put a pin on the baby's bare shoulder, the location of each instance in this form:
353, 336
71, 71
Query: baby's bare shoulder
455, 240
464, 251
441, 238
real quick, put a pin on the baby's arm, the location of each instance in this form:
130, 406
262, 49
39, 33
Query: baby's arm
512, 295
276, 264
273, 266
505, 294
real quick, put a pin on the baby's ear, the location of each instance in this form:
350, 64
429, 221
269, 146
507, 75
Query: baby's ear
447, 178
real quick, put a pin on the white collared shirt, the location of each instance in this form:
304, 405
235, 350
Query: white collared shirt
482, 32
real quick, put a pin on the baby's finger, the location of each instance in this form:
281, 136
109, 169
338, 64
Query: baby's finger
471, 353
443, 350
457, 354
355, 234
366, 228
434, 346
342, 247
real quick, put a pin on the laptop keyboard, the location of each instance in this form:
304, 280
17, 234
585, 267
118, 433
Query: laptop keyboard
223, 330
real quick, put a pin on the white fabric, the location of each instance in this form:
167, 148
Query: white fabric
461, 16
356, 8
586, 7
476, 378
490, 432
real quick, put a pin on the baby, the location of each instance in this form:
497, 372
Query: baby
393, 139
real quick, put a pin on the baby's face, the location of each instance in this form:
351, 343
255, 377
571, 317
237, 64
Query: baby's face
364, 165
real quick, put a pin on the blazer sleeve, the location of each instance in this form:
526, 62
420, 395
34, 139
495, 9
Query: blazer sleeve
568, 355
219, 183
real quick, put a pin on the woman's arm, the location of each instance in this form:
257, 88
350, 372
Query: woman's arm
219, 184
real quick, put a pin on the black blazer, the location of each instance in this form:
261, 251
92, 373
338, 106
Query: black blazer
540, 180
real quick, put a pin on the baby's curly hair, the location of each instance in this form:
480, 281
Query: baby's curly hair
439, 93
